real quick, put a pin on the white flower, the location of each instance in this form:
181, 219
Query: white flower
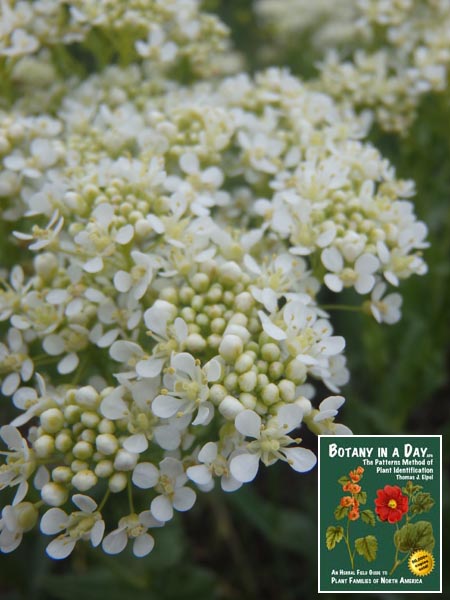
385, 309
20, 462
85, 524
132, 527
360, 276
43, 237
321, 420
188, 390
15, 362
16, 520
173, 494
137, 280
212, 464
270, 444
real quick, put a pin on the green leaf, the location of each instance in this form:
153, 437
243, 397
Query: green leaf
333, 536
415, 536
422, 502
343, 480
340, 512
410, 488
367, 547
361, 497
368, 517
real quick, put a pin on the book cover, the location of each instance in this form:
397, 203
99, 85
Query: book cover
380, 518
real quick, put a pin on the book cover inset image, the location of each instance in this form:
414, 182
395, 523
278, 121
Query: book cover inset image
380, 518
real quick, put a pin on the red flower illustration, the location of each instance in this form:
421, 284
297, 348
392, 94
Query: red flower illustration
391, 504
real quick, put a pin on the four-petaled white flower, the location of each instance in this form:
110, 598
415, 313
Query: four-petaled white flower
361, 275
132, 527
20, 462
212, 464
385, 309
187, 389
173, 494
84, 524
270, 444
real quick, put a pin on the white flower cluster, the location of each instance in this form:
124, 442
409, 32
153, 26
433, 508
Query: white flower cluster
162, 328
402, 50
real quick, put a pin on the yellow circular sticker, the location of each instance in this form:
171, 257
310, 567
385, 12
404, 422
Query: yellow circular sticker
421, 563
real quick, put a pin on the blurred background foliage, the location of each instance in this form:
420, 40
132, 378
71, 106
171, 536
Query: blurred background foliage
261, 542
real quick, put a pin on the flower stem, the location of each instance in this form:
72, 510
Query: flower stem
347, 541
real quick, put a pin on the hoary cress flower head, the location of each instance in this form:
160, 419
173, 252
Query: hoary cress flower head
163, 330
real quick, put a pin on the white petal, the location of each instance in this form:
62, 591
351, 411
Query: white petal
244, 467
333, 283
84, 503
275, 332
53, 344
208, 453
145, 475
332, 259
161, 508
122, 281
204, 415
150, 368
367, 264
125, 234
143, 545
230, 484
289, 417
97, 533
213, 370
332, 403
53, 521
331, 345
300, 459
115, 541
60, 548
11, 436
156, 223
21, 492
167, 436
184, 499
68, 364
136, 443
199, 474
364, 284
248, 423
181, 329
184, 362
122, 351
41, 478
189, 163
94, 265
113, 408
10, 384
165, 406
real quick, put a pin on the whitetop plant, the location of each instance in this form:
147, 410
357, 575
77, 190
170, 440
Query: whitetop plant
164, 327
381, 55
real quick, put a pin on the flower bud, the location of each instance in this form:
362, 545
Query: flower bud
270, 394
82, 450
52, 420
231, 348
230, 407
125, 461
287, 390
90, 419
62, 474
217, 393
117, 482
270, 352
87, 397
244, 363
107, 444
195, 342
63, 442
54, 494
247, 381
26, 515
44, 446
84, 480
104, 468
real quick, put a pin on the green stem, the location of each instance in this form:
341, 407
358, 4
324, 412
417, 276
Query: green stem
130, 497
347, 542
341, 307
104, 500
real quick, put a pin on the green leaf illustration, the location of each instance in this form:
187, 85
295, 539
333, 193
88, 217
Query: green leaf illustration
340, 512
333, 536
361, 497
422, 502
414, 536
411, 489
367, 547
367, 516
343, 480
